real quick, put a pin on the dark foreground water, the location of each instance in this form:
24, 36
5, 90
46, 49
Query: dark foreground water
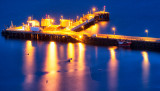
41, 66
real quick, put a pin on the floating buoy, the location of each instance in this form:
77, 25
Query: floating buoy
69, 60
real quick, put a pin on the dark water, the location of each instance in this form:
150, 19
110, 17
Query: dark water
42, 66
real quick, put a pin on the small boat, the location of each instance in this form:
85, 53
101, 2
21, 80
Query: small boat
124, 43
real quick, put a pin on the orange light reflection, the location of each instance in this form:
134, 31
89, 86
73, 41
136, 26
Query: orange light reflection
113, 66
28, 66
81, 67
145, 65
81, 56
103, 24
50, 81
70, 50
51, 59
70, 54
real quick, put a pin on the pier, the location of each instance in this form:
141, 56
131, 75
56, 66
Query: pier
101, 39
69, 31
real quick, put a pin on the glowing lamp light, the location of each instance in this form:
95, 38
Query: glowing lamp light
104, 8
146, 32
52, 20
61, 16
80, 36
82, 27
114, 29
93, 9
77, 17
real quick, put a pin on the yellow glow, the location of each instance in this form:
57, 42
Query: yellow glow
70, 50
82, 27
61, 16
93, 29
48, 27
81, 67
113, 54
146, 30
29, 65
93, 9
81, 56
145, 65
145, 57
65, 22
103, 24
33, 23
52, 20
47, 22
51, 59
101, 12
113, 28
80, 37
71, 54
50, 66
113, 66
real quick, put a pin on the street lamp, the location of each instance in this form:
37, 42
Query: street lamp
77, 17
146, 32
114, 29
104, 8
93, 9
62, 17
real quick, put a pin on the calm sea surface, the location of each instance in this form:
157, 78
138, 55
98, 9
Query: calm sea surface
27, 65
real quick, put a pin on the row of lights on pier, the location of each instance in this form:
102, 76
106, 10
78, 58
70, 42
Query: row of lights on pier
114, 30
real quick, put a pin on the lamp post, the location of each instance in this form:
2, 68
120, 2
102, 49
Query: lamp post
146, 32
93, 9
114, 29
62, 17
77, 17
104, 8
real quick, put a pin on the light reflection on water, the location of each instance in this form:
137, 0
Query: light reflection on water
50, 81
81, 56
71, 50
59, 72
103, 24
57, 69
51, 59
81, 67
113, 68
145, 67
71, 54
29, 64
